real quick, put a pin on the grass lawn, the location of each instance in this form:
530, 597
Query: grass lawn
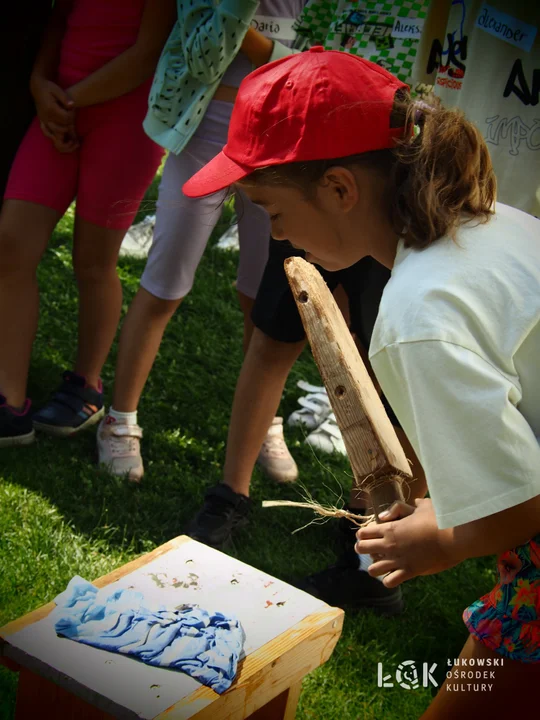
60, 516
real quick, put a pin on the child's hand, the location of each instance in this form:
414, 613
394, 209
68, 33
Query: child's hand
65, 141
405, 547
55, 109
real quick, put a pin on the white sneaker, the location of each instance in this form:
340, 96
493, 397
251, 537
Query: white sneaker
119, 448
315, 408
327, 437
274, 458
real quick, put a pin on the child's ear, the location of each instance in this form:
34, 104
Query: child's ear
343, 188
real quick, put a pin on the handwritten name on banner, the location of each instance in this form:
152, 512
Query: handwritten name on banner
276, 28
408, 28
505, 27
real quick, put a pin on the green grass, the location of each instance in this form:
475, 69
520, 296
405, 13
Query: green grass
59, 516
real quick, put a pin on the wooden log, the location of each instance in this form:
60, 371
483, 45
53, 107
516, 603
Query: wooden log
375, 453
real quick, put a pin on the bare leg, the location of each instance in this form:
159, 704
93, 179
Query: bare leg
246, 303
513, 692
95, 254
25, 229
258, 393
140, 339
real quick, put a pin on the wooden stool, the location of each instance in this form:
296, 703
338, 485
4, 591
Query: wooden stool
288, 634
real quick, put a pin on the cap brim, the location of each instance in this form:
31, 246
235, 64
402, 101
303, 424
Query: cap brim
216, 175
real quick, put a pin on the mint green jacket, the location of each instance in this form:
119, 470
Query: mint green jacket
202, 44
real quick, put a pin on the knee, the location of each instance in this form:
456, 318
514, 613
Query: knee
154, 306
274, 352
15, 257
93, 270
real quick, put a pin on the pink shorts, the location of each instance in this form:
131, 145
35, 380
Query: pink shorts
109, 173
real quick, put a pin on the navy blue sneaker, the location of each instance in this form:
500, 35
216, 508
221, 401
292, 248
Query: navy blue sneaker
15, 427
75, 406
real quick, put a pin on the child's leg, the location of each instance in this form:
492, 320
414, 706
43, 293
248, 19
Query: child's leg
140, 339
276, 343
118, 163
41, 185
246, 305
25, 229
183, 227
513, 690
95, 254
257, 396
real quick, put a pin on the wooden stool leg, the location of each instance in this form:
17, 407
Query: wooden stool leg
40, 698
282, 707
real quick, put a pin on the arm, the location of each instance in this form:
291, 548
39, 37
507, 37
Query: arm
212, 35
53, 105
135, 65
494, 534
261, 50
46, 64
481, 458
409, 545
257, 47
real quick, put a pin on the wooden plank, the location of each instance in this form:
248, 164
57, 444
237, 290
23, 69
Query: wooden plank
293, 696
268, 672
111, 577
37, 697
372, 445
52, 684
282, 707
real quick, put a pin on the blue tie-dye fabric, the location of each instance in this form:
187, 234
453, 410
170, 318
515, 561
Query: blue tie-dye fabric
203, 645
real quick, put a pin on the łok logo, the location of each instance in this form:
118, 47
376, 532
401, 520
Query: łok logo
407, 676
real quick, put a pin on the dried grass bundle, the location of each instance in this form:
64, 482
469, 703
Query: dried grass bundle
327, 512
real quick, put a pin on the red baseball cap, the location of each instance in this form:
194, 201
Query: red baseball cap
316, 105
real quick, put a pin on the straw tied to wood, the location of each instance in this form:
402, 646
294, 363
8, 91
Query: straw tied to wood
377, 459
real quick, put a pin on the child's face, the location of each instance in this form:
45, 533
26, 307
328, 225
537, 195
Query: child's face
333, 226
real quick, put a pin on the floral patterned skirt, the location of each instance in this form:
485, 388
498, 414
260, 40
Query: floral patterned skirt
507, 619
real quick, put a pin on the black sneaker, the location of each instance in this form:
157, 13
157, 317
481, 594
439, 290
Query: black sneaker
15, 427
344, 585
223, 512
73, 407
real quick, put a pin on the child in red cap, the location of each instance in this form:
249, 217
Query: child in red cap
348, 166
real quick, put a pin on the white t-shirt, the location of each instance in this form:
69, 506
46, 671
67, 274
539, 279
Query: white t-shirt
456, 348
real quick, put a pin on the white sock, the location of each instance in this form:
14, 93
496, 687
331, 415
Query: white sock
129, 418
365, 562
